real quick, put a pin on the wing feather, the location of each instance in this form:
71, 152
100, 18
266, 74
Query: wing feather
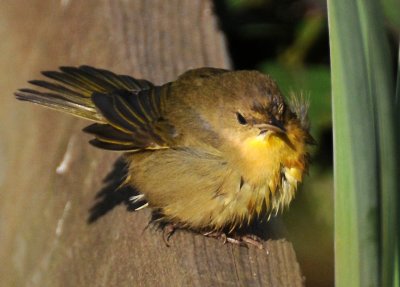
129, 112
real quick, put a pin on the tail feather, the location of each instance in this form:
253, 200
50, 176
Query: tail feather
73, 95
76, 82
60, 103
74, 87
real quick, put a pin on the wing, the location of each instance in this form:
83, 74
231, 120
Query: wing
134, 120
128, 112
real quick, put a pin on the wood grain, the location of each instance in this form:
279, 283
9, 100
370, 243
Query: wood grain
50, 176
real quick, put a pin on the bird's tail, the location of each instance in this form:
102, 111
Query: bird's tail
71, 89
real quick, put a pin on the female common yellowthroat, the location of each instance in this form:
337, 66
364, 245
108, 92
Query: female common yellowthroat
209, 151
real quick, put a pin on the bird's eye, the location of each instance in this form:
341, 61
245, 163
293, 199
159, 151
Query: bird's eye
241, 119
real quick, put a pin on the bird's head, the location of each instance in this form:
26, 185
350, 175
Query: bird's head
263, 131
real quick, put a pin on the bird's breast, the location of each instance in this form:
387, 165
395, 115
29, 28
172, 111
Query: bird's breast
272, 168
268, 159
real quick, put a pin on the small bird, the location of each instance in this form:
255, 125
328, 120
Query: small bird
210, 151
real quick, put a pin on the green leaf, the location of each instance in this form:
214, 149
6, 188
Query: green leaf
392, 12
365, 145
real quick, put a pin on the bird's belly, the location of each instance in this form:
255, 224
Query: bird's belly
236, 208
188, 186
201, 191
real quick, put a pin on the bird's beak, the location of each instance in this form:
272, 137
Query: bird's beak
273, 125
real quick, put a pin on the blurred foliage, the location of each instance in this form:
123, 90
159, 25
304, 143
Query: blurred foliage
391, 9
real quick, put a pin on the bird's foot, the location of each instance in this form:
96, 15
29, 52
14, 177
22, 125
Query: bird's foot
251, 239
168, 231
241, 240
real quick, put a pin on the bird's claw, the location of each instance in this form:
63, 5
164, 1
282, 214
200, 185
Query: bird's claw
168, 231
243, 240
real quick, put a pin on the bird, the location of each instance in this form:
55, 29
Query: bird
211, 151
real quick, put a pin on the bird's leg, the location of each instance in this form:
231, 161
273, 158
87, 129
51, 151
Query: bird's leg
217, 235
251, 239
242, 240
222, 236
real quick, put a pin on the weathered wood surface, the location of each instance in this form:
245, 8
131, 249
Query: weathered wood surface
49, 175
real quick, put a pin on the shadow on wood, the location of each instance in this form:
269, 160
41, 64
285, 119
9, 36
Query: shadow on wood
113, 193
